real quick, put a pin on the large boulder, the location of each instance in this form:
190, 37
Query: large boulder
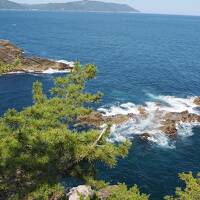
80, 192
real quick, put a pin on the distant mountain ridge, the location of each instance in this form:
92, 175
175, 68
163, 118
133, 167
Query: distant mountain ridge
85, 5
5, 4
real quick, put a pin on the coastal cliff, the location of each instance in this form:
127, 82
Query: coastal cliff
13, 60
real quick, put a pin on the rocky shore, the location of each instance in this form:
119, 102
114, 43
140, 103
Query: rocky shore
13, 60
162, 120
165, 122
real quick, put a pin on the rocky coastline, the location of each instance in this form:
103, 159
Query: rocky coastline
167, 121
13, 60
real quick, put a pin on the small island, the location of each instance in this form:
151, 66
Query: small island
13, 60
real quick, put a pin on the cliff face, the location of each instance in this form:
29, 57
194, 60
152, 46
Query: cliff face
9, 53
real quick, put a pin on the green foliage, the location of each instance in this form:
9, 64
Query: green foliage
192, 189
38, 95
39, 145
119, 192
96, 184
5, 68
122, 192
45, 192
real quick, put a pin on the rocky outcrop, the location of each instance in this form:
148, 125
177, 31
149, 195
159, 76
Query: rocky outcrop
80, 192
168, 121
197, 101
117, 119
97, 119
143, 112
9, 53
184, 116
94, 119
171, 119
169, 127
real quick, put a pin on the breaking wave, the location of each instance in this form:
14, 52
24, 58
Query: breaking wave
156, 109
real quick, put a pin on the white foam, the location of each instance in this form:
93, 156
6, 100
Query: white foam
17, 72
70, 63
162, 140
186, 129
175, 104
48, 71
156, 110
54, 71
123, 109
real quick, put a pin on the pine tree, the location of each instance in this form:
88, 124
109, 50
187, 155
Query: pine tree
191, 190
41, 144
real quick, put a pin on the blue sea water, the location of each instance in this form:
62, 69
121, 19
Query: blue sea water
136, 55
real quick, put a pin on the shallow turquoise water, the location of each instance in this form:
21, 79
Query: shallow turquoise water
136, 54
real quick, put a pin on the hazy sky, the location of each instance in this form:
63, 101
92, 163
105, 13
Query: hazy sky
190, 7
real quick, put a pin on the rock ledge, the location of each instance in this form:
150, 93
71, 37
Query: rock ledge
9, 53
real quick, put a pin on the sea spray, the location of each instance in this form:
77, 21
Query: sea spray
156, 109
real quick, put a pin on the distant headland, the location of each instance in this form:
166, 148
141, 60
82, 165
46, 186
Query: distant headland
78, 6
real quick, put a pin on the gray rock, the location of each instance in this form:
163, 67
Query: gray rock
83, 191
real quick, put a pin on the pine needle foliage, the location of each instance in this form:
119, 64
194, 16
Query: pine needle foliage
9, 67
191, 190
38, 147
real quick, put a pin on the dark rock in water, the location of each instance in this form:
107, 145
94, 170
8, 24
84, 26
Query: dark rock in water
197, 101
145, 136
9, 53
171, 119
184, 116
169, 128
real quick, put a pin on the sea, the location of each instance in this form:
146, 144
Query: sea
142, 59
